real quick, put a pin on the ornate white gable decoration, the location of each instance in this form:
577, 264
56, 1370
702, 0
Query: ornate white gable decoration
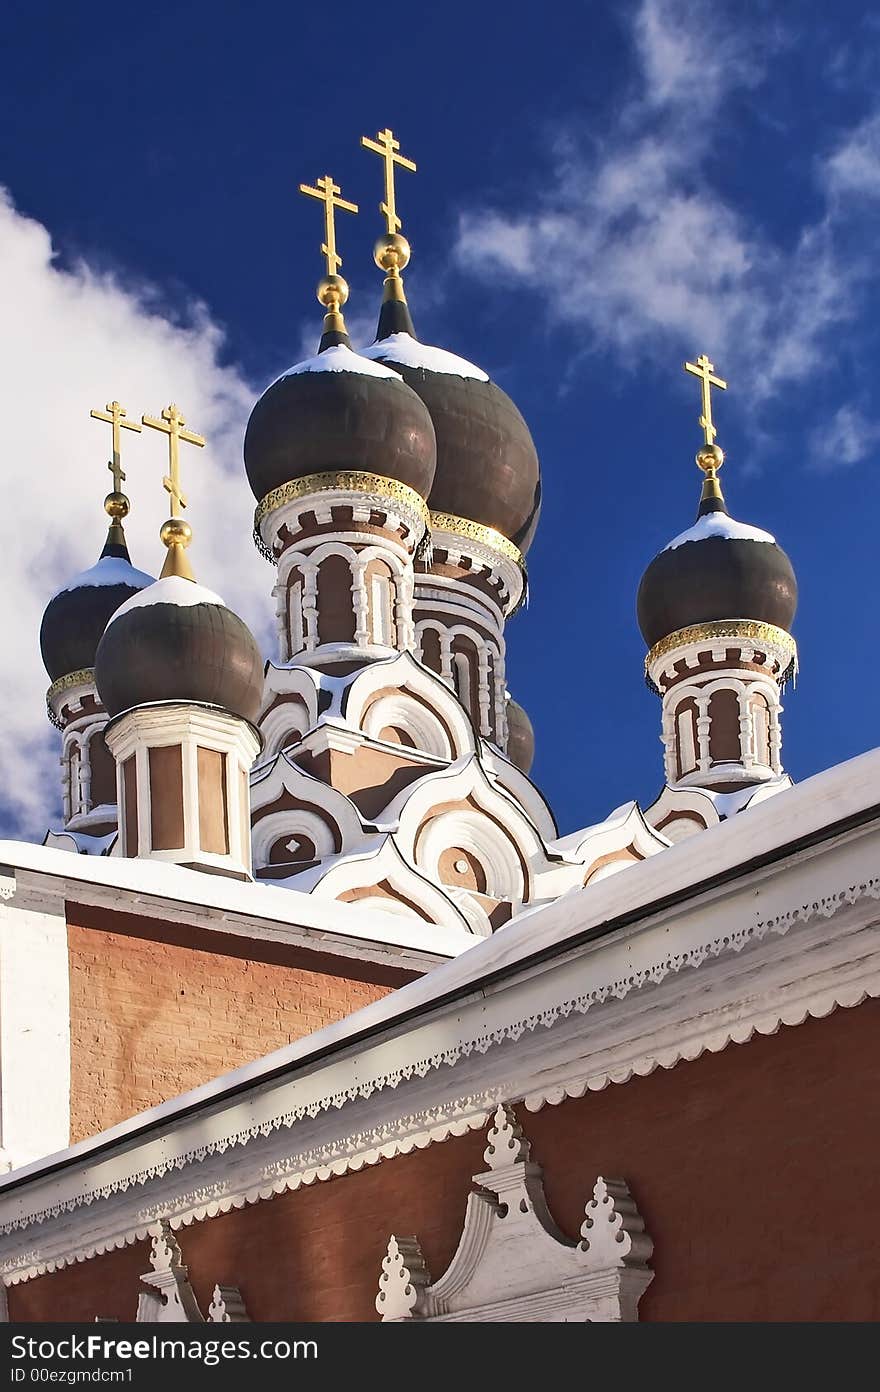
171, 1299
513, 1264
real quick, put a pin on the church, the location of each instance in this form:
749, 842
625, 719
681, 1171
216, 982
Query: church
307, 1010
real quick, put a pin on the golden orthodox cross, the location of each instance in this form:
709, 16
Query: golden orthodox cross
326, 192
115, 415
172, 424
703, 369
386, 146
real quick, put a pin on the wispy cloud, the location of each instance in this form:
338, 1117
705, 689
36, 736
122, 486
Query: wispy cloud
657, 256
849, 437
853, 168
73, 339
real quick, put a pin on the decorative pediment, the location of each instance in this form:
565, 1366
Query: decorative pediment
459, 811
402, 692
512, 1263
170, 1297
381, 878
287, 802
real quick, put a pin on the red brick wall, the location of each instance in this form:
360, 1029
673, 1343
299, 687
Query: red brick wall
158, 1008
757, 1171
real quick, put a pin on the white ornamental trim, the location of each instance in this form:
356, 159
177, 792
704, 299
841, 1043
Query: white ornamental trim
420, 1129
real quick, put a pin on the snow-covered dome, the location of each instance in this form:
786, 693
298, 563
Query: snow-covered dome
177, 641
339, 411
487, 465
719, 569
77, 615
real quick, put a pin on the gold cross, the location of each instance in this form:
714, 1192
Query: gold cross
172, 424
703, 369
386, 146
326, 191
115, 416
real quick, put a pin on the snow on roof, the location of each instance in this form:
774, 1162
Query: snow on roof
340, 359
718, 524
172, 590
818, 803
254, 898
404, 349
109, 570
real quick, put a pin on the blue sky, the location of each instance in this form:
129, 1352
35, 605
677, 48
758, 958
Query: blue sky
603, 189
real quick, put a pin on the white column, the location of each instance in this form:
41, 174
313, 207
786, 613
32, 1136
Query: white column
310, 606
775, 737
360, 602
446, 659
703, 727
746, 730
403, 611
483, 691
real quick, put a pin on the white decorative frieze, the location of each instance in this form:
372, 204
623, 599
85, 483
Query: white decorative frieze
513, 1264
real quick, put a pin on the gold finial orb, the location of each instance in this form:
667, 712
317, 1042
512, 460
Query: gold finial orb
332, 291
710, 458
392, 252
117, 506
176, 532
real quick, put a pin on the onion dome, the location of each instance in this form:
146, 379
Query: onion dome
177, 641
337, 411
487, 466
520, 736
76, 616
719, 569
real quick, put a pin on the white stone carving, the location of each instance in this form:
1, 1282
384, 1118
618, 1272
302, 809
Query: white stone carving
403, 1280
227, 1306
171, 1297
513, 1264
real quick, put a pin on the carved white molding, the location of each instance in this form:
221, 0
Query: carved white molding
513, 1264
694, 978
227, 1306
170, 1297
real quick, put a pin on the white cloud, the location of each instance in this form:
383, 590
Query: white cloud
73, 339
848, 438
854, 167
656, 259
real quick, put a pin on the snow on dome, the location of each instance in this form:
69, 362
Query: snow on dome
109, 570
339, 359
718, 524
409, 352
172, 590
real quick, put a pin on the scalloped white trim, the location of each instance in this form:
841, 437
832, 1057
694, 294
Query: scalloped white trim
418, 1130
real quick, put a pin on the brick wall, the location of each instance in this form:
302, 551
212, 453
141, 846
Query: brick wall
158, 1008
756, 1170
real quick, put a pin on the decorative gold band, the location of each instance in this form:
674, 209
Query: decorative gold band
84, 677
745, 630
475, 531
343, 481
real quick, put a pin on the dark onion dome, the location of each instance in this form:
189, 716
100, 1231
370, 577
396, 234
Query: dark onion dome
719, 569
177, 641
520, 736
487, 464
339, 411
77, 615
488, 467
